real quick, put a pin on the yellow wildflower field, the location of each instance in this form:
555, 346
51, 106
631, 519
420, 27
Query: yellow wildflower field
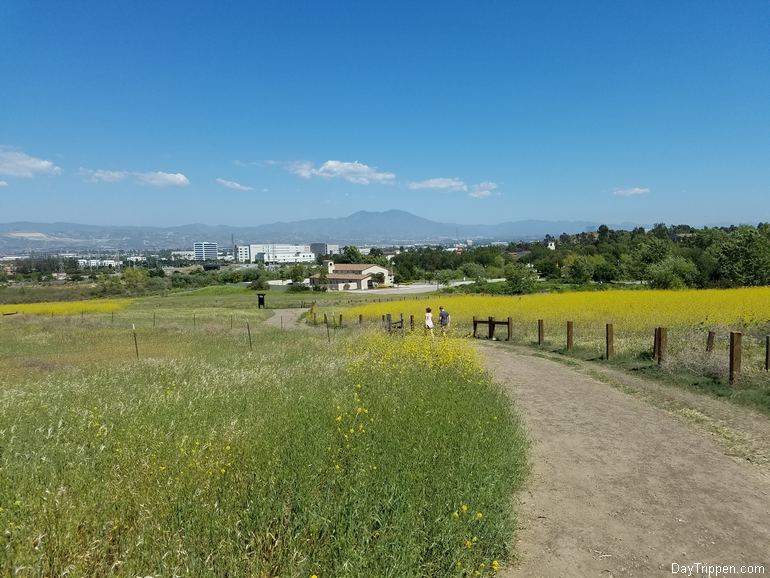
631, 310
66, 307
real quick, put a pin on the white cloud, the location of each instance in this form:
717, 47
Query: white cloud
302, 168
233, 185
3, 184
630, 192
153, 178
355, 172
161, 179
100, 176
482, 190
14, 163
440, 183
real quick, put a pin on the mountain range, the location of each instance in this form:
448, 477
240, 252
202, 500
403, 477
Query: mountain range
392, 227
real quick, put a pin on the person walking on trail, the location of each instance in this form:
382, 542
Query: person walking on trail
429, 321
443, 319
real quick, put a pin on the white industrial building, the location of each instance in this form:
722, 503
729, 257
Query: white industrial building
274, 254
205, 251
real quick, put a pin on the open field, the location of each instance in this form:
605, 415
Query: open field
360, 457
688, 315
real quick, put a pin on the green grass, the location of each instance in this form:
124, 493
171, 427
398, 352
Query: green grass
752, 390
206, 458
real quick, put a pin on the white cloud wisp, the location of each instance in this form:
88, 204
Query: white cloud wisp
233, 185
152, 178
355, 172
14, 163
439, 184
630, 192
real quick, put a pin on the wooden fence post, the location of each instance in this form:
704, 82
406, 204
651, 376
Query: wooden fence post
153, 319
193, 320
326, 319
736, 351
767, 352
491, 327
340, 320
475, 324
540, 332
136, 343
411, 323
360, 319
510, 329
570, 335
389, 322
231, 321
610, 341
655, 343
113, 316
248, 330
710, 342
662, 342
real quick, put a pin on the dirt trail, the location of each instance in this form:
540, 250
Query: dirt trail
623, 487
287, 318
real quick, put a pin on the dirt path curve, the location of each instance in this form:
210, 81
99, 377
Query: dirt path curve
286, 319
620, 487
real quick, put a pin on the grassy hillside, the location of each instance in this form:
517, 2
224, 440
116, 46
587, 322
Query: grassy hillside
368, 456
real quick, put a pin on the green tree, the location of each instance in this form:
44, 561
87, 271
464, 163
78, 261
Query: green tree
520, 278
135, 279
580, 270
672, 273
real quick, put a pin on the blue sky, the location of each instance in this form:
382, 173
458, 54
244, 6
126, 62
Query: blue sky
164, 113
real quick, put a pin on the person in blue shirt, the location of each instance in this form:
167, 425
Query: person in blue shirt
443, 319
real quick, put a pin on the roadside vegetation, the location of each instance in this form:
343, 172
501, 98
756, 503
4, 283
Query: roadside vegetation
366, 456
688, 314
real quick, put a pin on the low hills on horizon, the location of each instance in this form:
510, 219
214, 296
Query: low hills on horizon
394, 227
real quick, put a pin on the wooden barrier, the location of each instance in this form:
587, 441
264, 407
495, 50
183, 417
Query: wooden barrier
540, 332
736, 351
570, 335
360, 319
609, 351
411, 323
710, 342
491, 324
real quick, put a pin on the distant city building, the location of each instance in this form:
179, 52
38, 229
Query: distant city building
205, 251
83, 263
136, 259
324, 249
274, 254
183, 255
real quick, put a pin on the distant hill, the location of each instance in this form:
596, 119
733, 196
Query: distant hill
364, 227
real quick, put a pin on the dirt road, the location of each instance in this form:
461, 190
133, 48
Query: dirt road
286, 318
621, 486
